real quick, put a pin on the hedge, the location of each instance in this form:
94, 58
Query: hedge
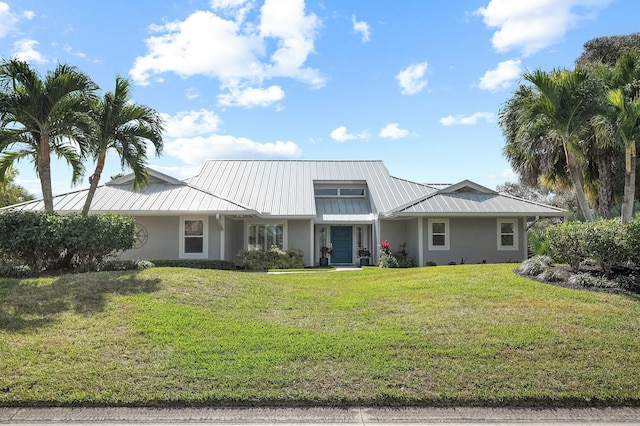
610, 243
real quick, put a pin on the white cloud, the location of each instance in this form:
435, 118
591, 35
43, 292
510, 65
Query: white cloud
470, 120
251, 97
502, 76
393, 131
362, 28
70, 51
530, 26
241, 55
192, 93
25, 50
7, 19
237, 9
412, 80
29, 14
190, 123
194, 150
340, 134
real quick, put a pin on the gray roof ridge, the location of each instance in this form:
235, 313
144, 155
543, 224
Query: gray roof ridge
37, 200
417, 183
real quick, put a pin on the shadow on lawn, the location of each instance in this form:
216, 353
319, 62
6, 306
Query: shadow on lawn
28, 303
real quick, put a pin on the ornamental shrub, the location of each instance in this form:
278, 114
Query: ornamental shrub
49, 241
274, 258
535, 266
566, 243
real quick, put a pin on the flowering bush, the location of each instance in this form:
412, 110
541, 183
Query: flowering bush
384, 247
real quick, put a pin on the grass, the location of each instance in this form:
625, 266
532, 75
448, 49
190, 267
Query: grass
468, 334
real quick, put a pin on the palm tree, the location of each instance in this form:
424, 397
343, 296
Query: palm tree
124, 127
627, 128
39, 117
565, 107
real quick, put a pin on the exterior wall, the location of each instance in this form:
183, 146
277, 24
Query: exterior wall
214, 239
474, 240
300, 238
163, 239
399, 232
233, 239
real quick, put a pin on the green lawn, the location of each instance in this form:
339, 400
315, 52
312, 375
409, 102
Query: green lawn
467, 334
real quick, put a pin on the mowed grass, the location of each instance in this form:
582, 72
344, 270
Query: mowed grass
467, 334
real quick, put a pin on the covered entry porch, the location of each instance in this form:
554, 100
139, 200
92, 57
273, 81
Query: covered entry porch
344, 244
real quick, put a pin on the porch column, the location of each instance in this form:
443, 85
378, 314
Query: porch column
420, 241
312, 243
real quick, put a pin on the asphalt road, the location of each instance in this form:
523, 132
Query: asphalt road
320, 416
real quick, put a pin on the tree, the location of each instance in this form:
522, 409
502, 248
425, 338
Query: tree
607, 50
559, 100
12, 193
125, 128
43, 116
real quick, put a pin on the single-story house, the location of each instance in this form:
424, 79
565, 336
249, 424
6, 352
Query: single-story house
347, 206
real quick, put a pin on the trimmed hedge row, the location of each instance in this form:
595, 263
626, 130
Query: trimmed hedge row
610, 243
41, 241
225, 265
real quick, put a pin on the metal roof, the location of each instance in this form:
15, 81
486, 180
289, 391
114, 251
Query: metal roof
285, 187
158, 197
467, 203
343, 210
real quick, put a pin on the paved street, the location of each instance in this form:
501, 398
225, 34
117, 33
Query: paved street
319, 416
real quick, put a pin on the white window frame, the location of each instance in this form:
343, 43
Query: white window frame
205, 238
513, 247
430, 234
265, 224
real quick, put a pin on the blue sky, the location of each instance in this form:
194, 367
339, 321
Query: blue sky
415, 83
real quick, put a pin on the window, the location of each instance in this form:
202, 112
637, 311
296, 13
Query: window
325, 192
507, 234
193, 237
438, 233
263, 237
339, 192
352, 192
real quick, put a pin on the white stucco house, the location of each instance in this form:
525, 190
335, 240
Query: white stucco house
348, 205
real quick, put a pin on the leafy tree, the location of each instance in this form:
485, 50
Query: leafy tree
607, 50
125, 128
10, 192
43, 116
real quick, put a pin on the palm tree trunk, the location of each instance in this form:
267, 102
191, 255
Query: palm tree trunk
576, 178
94, 179
605, 186
44, 172
629, 183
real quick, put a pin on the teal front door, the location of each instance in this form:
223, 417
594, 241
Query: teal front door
342, 241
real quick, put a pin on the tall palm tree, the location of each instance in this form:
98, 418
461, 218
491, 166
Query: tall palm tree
564, 105
43, 116
627, 128
125, 128
619, 119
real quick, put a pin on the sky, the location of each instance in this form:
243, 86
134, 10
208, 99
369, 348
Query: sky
415, 83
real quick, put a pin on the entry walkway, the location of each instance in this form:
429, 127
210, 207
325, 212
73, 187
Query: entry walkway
320, 416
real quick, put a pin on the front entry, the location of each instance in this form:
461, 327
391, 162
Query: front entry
342, 241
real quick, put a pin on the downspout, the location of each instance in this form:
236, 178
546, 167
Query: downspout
221, 223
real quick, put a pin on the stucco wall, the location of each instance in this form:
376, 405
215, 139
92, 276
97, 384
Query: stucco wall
300, 238
394, 231
234, 237
163, 239
214, 239
474, 240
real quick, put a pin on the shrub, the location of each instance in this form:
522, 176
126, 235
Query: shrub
387, 261
608, 242
274, 258
583, 279
550, 275
535, 266
48, 241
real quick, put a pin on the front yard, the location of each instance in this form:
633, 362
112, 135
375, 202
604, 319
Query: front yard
467, 334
